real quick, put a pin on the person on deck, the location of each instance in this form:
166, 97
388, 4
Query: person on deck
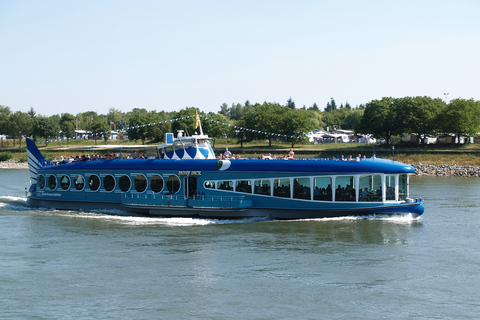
227, 153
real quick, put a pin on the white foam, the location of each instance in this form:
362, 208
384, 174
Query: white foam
404, 218
122, 217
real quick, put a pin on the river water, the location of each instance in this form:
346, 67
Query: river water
87, 265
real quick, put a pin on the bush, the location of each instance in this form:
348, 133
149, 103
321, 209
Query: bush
6, 156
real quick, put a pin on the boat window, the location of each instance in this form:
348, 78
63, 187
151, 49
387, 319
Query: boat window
177, 145
322, 188
52, 182
243, 186
156, 183
41, 181
124, 183
209, 184
370, 188
140, 183
402, 187
262, 187
345, 190
301, 188
225, 185
390, 185
281, 188
173, 184
94, 182
65, 182
109, 182
188, 143
79, 182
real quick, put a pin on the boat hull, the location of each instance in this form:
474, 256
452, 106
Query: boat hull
415, 209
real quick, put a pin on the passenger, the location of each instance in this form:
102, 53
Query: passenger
291, 154
227, 153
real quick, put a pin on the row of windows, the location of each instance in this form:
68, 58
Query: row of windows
108, 183
369, 188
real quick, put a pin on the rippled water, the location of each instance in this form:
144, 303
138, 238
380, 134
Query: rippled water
84, 265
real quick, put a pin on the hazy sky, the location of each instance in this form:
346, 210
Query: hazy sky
76, 56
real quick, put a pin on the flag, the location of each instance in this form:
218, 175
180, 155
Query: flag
111, 122
197, 120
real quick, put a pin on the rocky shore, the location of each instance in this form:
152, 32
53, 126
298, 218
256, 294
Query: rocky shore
13, 164
420, 169
446, 170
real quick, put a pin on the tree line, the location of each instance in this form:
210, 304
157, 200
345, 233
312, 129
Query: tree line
385, 118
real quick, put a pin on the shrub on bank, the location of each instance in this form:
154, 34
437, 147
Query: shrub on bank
4, 156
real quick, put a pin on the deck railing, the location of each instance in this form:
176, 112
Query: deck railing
227, 202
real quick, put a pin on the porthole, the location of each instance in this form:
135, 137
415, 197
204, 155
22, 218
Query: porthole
79, 182
124, 183
65, 182
209, 184
52, 182
94, 182
41, 181
140, 183
173, 184
109, 182
156, 183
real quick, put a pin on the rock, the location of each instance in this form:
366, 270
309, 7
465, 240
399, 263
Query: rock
446, 170
13, 164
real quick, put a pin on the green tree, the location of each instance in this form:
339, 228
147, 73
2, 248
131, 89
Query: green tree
5, 114
291, 103
267, 117
353, 120
67, 125
314, 107
224, 110
316, 119
296, 124
100, 129
116, 116
137, 119
46, 127
419, 115
462, 117
20, 124
331, 120
380, 119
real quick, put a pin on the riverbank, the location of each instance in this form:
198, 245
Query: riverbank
13, 164
420, 169
446, 170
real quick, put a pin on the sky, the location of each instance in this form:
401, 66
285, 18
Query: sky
94, 55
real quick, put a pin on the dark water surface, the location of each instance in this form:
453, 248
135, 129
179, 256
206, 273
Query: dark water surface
85, 265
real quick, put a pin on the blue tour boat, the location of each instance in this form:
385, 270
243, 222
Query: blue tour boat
186, 180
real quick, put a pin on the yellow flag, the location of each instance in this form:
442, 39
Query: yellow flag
197, 122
